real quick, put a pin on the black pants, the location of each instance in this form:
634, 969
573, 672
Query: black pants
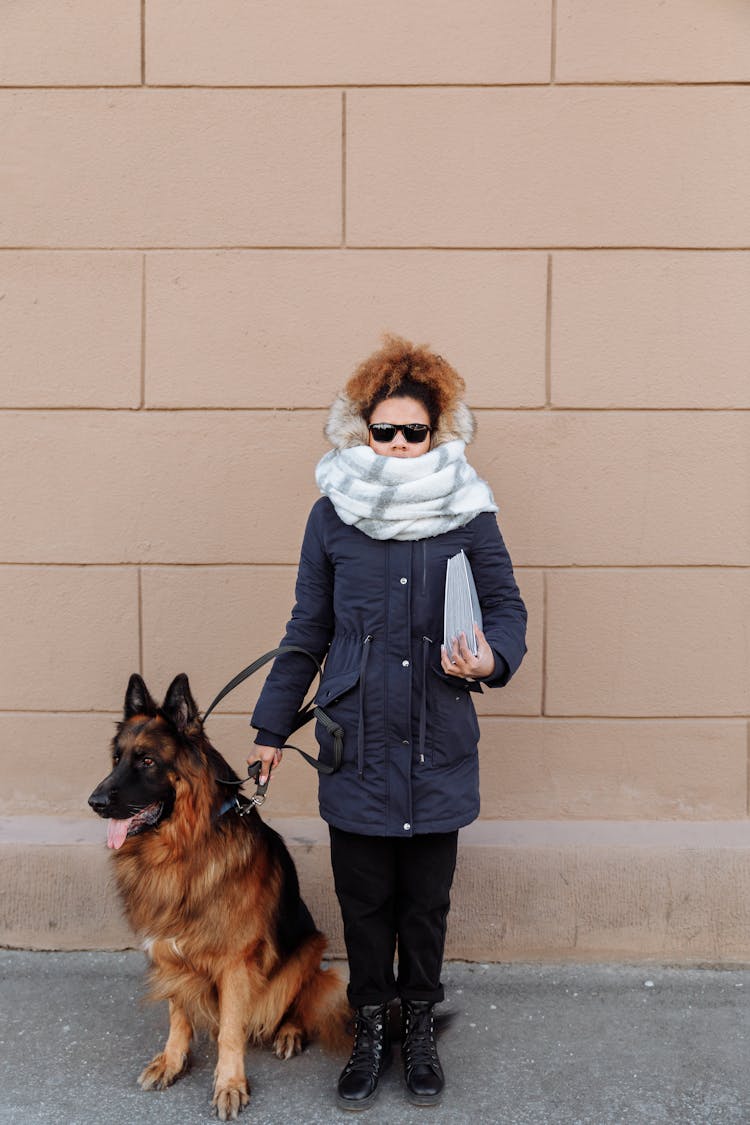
393, 892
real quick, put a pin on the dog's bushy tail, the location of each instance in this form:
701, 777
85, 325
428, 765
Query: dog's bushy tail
324, 1011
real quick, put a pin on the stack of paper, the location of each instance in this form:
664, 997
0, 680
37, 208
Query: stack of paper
461, 603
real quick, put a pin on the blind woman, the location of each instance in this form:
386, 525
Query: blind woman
399, 499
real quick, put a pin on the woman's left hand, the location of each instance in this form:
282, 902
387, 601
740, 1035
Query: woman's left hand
459, 660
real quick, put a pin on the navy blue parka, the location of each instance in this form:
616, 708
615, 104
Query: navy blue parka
373, 610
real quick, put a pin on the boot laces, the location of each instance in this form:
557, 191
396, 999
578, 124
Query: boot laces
368, 1044
419, 1040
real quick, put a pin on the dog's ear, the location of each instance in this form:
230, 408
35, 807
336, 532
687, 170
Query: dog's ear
179, 705
137, 699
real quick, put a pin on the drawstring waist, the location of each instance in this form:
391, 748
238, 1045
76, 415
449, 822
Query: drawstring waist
366, 645
361, 723
426, 642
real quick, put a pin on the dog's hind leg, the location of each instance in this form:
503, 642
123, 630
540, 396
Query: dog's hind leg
314, 1002
322, 1010
231, 1090
289, 1039
166, 1067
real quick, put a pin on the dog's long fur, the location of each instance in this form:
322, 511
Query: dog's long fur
215, 898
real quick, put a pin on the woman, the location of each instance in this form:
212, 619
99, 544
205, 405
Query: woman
399, 499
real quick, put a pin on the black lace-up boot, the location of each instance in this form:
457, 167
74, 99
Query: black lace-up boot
371, 1055
422, 1069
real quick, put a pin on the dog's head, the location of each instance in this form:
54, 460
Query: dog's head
156, 753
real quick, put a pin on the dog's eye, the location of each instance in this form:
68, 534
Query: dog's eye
147, 761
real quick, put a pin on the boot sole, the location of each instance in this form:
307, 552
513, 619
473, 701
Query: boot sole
425, 1099
364, 1103
355, 1107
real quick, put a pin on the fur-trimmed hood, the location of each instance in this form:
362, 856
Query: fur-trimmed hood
347, 428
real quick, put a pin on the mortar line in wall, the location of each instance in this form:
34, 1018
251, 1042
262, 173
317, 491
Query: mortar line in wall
126, 565
542, 408
644, 83
142, 401
343, 168
140, 621
529, 718
329, 248
573, 567
623, 83
57, 711
508, 248
143, 42
72, 86
734, 720
553, 44
548, 338
304, 87
209, 564
543, 701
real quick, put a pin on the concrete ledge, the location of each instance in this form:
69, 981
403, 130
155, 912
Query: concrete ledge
524, 890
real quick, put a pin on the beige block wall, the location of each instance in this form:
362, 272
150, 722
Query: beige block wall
210, 213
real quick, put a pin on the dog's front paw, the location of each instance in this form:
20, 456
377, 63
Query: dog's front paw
229, 1100
162, 1072
288, 1041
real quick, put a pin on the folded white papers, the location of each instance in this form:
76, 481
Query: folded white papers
461, 603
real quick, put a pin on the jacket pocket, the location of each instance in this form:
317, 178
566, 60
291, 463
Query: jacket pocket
333, 687
338, 698
454, 729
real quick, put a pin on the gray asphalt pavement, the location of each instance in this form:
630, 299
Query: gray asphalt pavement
526, 1045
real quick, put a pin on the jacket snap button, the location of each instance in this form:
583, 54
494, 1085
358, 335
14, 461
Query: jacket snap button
403, 581
404, 663
407, 827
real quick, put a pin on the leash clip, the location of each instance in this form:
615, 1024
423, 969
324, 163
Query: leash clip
259, 796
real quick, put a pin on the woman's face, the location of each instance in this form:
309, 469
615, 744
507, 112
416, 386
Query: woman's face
400, 412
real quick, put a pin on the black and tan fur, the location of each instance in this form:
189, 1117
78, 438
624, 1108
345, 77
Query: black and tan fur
215, 899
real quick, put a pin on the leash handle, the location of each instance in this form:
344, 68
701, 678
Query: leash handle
253, 773
333, 729
256, 664
303, 716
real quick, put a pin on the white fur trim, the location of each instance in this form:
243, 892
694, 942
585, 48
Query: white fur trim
345, 427
458, 426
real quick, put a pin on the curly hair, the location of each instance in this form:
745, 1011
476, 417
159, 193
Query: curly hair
402, 367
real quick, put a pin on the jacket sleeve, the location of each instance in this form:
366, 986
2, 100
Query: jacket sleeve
503, 612
310, 627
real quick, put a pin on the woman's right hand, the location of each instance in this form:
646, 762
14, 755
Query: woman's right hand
270, 756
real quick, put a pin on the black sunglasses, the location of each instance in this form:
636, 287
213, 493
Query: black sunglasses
414, 432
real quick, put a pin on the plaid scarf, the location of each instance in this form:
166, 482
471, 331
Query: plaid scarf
403, 497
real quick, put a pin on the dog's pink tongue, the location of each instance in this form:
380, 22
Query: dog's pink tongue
117, 830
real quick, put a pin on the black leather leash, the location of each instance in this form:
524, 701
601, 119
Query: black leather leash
304, 715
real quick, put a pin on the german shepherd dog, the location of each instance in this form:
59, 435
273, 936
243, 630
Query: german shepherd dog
215, 897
